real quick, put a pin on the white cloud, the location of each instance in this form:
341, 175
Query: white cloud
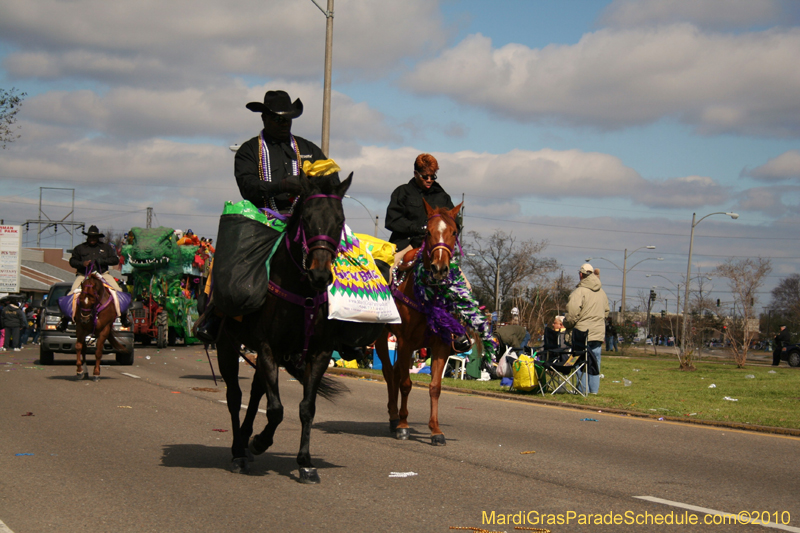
784, 167
717, 83
492, 180
158, 44
716, 14
127, 113
762, 199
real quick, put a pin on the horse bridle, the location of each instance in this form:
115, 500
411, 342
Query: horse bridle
308, 245
441, 245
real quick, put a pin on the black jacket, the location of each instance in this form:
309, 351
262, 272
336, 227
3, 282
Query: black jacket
102, 254
406, 212
281, 156
13, 317
782, 339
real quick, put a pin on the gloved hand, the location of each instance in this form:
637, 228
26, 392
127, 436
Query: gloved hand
291, 185
419, 230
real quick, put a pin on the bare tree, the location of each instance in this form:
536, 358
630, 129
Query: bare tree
498, 265
786, 300
10, 104
744, 277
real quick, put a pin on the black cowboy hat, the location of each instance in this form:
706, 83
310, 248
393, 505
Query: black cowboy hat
278, 102
93, 232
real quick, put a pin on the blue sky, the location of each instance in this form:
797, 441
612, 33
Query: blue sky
597, 125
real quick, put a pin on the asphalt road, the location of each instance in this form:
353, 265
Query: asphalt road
141, 454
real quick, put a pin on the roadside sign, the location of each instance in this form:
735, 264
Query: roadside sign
10, 258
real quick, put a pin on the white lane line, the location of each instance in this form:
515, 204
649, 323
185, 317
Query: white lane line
4, 528
243, 407
705, 510
130, 375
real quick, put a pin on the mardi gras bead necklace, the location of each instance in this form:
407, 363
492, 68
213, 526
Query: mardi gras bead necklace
265, 172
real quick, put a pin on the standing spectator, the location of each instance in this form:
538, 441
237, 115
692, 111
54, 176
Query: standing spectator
587, 310
2, 330
13, 321
611, 335
780, 339
37, 330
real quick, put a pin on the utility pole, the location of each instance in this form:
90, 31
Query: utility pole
70, 225
326, 92
149, 217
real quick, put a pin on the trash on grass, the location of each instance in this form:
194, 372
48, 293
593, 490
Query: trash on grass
771, 372
626, 382
730, 399
750, 376
712, 386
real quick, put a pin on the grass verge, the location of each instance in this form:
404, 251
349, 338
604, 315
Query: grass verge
771, 397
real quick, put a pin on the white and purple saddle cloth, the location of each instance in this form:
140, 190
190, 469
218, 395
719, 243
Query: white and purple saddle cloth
69, 303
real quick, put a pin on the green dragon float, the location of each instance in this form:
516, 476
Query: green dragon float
156, 266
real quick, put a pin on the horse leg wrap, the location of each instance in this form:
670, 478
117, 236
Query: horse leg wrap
402, 434
309, 476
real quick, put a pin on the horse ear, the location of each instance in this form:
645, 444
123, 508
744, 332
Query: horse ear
454, 212
341, 189
428, 208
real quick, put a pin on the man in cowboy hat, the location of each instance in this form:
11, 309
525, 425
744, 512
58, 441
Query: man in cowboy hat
103, 256
94, 251
268, 166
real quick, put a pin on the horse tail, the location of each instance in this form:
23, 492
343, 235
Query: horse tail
477, 344
115, 343
328, 388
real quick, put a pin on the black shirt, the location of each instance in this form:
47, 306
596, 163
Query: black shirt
281, 157
407, 211
102, 254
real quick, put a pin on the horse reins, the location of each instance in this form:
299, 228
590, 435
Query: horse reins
310, 304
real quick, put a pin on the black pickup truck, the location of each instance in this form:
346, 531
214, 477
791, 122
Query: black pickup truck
791, 354
53, 341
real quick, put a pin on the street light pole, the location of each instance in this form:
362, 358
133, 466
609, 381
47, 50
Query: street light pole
734, 216
625, 269
326, 93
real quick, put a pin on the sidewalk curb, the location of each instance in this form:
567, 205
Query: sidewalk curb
793, 432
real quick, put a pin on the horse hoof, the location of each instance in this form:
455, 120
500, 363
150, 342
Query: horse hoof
393, 425
402, 434
95, 378
254, 448
438, 440
309, 476
79, 376
239, 465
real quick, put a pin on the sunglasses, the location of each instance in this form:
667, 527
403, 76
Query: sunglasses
431, 177
278, 119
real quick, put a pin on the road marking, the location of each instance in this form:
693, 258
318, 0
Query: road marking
4, 528
130, 375
715, 512
243, 407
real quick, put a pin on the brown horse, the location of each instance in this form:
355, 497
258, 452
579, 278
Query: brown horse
413, 333
94, 316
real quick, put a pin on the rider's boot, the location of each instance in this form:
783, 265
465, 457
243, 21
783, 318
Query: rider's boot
125, 320
462, 344
62, 326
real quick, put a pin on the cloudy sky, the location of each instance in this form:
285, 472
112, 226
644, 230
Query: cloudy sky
599, 126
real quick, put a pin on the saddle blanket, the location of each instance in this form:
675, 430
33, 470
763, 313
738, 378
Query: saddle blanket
69, 307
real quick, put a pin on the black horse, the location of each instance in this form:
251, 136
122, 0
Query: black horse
292, 328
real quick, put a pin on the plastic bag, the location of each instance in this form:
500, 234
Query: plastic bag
359, 292
526, 377
246, 242
505, 368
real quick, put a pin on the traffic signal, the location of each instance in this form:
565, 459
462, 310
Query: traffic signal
652, 295
663, 313
717, 302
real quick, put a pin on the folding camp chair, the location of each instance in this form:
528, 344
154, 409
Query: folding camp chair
459, 365
563, 364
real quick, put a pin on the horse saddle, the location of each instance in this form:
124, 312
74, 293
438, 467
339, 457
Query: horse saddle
409, 260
